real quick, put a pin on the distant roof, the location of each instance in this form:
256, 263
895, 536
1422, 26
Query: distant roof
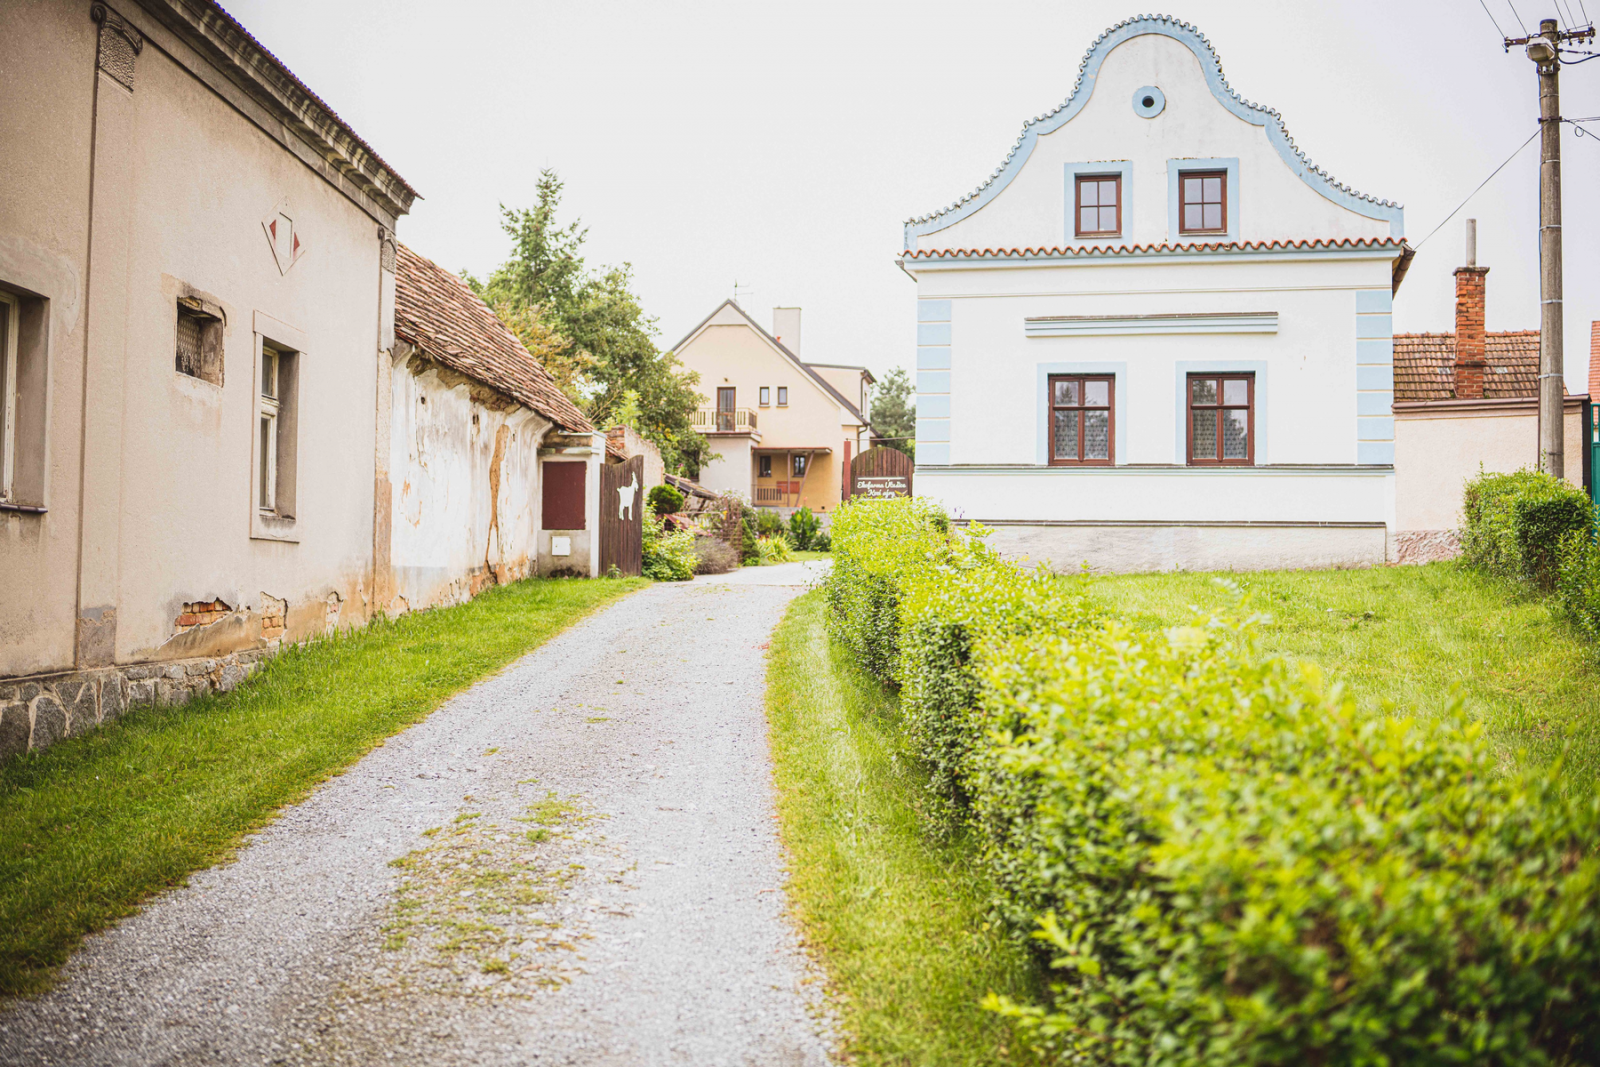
813, 375
847, 366
437, 312
1424, 366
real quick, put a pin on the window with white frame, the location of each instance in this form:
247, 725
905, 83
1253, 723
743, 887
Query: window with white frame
267, 478
9, 310
277, 411
783, 396
766, 396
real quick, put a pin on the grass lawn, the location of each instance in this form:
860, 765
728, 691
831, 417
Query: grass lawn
92, 826
897, 918
1417, 636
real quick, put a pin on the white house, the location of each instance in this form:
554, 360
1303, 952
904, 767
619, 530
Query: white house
1158, 336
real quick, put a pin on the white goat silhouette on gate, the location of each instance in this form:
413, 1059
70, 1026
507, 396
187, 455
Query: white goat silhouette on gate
626, 495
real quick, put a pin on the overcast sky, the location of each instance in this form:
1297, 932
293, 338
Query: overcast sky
783, 145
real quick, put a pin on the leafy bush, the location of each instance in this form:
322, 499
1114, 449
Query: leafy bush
714, 557
1578, 581
803, 527
1221, 861
774, 549
823, 542
667, 556
1515, 524
665, 500
768, 523
750, 552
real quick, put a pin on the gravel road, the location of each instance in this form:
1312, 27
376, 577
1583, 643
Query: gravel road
574, 862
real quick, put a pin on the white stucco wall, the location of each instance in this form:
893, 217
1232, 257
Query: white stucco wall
451, 534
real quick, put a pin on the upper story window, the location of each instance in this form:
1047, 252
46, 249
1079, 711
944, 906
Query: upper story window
766, 396
1222, 419
783, 396
1203, 201
1099, 205
1080, 420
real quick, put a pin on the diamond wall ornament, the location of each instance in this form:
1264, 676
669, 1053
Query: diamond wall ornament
288, 243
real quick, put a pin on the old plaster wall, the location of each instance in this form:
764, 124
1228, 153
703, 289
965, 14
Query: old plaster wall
465, 467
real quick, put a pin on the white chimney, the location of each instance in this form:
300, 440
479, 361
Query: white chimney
786, 328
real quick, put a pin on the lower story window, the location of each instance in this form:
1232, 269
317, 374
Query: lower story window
1222, 419
765, 466
800, 466
1081, 430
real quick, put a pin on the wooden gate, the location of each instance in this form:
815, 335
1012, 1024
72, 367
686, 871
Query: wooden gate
880, 472
622, 516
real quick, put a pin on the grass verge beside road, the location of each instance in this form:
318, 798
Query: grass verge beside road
92, 826
1417, 636
898, 919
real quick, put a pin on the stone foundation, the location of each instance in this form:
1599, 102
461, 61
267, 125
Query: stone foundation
1426, 546
39, 710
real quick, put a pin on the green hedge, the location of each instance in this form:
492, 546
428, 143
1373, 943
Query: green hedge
1221, 861
1515, 524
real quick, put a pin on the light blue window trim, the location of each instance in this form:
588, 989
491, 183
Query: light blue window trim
933, 453
933, 381
1120, 167
1374, 301
1184, 368
1375, 403
933, 311
1379, 452
1176, 167
933, 357
933, 430
933, 407
1370, 327
1088, 74
1378, 377
1375, 353
933, 333
1119, 404
1371, 428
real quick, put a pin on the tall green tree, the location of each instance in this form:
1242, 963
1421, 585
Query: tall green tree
591, 331
894, 412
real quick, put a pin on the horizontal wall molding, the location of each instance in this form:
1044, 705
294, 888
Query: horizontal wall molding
1116, 325
1167, 470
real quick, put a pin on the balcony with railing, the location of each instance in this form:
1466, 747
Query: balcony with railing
735, 420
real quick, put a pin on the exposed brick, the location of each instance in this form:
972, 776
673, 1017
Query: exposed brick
1469, 366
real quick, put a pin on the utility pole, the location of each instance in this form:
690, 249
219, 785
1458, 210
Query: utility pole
1544, 48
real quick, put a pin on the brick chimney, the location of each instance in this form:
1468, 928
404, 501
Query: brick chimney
1469, 321
1594, 360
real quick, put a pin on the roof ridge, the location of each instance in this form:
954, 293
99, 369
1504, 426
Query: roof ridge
1077, 86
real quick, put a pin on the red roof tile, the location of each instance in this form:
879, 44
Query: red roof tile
437, 312
1424, 366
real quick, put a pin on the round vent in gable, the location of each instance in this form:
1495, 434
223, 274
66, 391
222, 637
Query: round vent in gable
1148, 101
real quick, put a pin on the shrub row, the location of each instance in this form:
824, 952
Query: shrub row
1516, 524
1222, 862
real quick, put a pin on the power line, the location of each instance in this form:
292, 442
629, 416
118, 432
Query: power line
1481, 184
1497, 28
1513, 8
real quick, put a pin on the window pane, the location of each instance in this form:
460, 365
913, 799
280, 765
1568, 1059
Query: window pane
1097, 394
1108, 219
1213, 190
267, 447
1213, 217
1205, 435
1087, 220
1203, 390
1066, 394
1236, 391
269, 373
1191, 190
1194, 217
1066, 435
1097, 434
1235, 434
1108, 193
1088, 193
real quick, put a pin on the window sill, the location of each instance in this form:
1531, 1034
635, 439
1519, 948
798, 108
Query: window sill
268, 527
26, 509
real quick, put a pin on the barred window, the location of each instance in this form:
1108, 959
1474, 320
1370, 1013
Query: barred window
199, 341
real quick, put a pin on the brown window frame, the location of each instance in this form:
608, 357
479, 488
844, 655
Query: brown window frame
1190, 407
764, 466
1183, 204
1077, 205
1051, 407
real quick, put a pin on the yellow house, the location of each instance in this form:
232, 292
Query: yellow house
784, 431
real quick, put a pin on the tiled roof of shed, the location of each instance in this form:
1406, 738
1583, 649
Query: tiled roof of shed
1424, 366
437, 312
